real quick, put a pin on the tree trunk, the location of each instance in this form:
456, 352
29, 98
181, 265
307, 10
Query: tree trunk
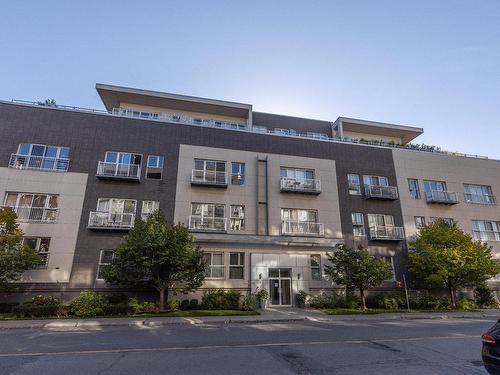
166, 291
162, 299
363, 301
452, 296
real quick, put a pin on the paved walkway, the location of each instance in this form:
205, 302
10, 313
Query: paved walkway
269, 315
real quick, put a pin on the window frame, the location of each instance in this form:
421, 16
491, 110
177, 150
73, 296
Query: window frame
240, 175
417, 218
43, 254
384, 216
101, 264
319, 275
211, 266
489, 198
160, 164
240, 265
378, 178
156, 204
353, 187
240, 218
358, 227
415, 189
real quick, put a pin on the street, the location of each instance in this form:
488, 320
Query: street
374, 346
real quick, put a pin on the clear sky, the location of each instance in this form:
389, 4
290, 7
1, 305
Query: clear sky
432, 64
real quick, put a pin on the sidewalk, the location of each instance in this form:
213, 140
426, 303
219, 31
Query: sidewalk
270, 315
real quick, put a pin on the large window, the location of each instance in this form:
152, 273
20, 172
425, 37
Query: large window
354, 185
481, 194
209, 171
120, 165
105, 259
375, 180
215, 265
41, 246
236, 265
419, 222
448, 220
315, 260
237, 217
390, 261
358, 224
237, 173
113, 212
297, 173
414, 188
33, 207
125, 158
36, 156
380, 220
300, 222
154, 169
148, 207
430, 186
485, 230
208, 216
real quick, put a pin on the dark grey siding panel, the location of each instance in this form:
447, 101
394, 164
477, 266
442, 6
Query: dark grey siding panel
301, 125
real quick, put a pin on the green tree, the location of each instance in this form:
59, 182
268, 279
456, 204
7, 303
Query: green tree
356, 269
157, 255
14, 257
446, 257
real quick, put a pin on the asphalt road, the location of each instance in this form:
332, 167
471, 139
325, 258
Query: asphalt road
433, 346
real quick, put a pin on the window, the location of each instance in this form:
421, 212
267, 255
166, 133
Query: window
237, 217
154, 168
419, 222
380, 220
297, 173
105, 259
208, 216
448, 220
120, 164
486, 230
414, 188
236, 265
33, 207
375, 181
113, 212
481, 194
237, 173
35, 156
297, 221
211, 171
430, 186
148, 207
124, 158
354, 186
390, 261
358, 224
315, 260
41, 246
215, 265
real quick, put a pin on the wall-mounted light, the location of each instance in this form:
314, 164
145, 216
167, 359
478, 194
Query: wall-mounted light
260, 276
298, 276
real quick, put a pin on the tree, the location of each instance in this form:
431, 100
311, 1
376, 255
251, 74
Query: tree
356, 269
14, 257
157, 255
446, 257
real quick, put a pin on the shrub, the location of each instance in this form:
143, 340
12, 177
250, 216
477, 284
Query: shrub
30, 310
388, 301
221, 300
45, 300
301, 298
118, 298
250, 302
184, 304
89, 303
7, 307
430, 302
484, 297
193, 304
150, 308
118, 309
262, 296
466, 304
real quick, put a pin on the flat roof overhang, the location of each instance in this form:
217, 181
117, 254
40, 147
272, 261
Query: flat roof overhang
112, 96
406, 133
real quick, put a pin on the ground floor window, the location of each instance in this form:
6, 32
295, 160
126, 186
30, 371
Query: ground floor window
215, 265
105, 258
236, 265
390, 261
41, 246
358, 224
315, 266
148, 207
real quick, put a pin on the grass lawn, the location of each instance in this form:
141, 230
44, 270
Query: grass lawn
343, 311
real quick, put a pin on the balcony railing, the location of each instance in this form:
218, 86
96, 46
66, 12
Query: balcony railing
298, 185
116, 171
381, 192
38, 162
209, 224
35, 214
439, 196
302, 228
109, 220
486, 235
387, 233
208, 178
480, 198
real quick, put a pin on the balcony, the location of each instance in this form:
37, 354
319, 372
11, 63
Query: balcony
302, 228
208, 178
29, 214
40, 163
381, 192
116, 171
110, 221
486, 235
480, 198
439, 196
296, 185
387, 233
208, 224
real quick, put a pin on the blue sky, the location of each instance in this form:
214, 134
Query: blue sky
433, 64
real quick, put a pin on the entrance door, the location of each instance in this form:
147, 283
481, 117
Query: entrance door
280, 286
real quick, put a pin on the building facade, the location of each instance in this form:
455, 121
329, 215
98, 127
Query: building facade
266, 196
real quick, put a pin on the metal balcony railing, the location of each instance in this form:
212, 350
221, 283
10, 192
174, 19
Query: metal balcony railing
110, 220
439, 196
119, 171
30, 214
210, 224
302, 228
38, 162
387, 233
208, 178
298, 185
480, 198
486, 235
381, 192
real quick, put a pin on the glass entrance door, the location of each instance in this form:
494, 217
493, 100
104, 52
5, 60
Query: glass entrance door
280, 287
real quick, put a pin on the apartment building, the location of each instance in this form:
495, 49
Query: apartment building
266, 196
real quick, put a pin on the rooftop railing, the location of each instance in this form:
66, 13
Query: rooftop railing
164, 117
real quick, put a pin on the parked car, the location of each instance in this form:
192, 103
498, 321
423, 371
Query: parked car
491, 349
